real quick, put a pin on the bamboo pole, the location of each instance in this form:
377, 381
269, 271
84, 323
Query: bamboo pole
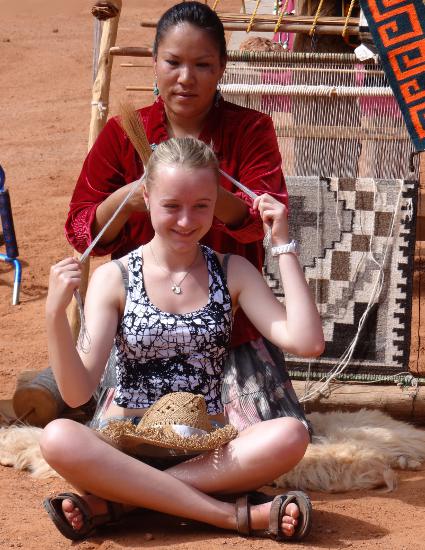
265, 57
268, 18
417, 331
291, 90
289, 26
99, 115
272, 20
293, 27
258, 69
130, 51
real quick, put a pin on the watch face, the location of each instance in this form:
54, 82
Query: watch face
295, 247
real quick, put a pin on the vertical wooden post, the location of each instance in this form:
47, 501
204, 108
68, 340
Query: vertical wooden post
99, 115
417, 332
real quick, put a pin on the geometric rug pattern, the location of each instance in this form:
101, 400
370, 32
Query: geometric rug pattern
356, 238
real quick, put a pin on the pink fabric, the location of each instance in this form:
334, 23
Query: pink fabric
283, 36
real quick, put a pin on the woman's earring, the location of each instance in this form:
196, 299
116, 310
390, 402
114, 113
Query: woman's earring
218, 96
155, 89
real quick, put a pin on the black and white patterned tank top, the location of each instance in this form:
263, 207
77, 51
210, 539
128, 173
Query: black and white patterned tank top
159, 352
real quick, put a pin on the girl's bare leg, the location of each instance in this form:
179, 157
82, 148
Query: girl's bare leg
260, 454
91, 464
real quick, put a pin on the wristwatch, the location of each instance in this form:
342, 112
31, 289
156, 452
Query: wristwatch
292, 248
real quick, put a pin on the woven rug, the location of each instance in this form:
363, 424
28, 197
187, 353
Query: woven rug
398, 31
356, 238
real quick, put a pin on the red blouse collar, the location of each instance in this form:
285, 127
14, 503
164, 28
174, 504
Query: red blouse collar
157, 123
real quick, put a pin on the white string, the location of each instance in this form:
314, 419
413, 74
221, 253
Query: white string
308, 382
409, 210
268, 236
133, 186
337, 215
101, 107
239, 185
83, 341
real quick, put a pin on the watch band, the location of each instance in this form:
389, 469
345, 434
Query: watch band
289, 248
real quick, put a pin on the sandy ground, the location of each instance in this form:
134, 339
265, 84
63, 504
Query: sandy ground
45, 67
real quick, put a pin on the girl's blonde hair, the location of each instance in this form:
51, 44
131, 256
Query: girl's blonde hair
187, 152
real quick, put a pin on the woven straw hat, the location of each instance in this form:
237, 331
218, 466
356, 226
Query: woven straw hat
176, 421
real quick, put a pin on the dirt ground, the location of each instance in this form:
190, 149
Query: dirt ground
45, 67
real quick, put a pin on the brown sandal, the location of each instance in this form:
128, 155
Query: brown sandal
53, 506
277, 511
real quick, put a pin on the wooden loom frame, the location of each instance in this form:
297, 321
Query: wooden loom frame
348, 396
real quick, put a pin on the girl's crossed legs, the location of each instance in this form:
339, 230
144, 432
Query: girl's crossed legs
257, 456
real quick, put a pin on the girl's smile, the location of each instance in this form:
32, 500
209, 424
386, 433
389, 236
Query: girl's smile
182, 202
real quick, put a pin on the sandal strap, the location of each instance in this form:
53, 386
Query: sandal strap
306, 514
277, 510
90, 522
115, 510
79, 502
243, 521
53, 506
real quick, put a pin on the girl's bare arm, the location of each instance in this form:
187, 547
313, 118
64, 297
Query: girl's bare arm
77, 373
295, 326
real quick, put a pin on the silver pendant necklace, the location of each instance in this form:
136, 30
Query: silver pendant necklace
175, 287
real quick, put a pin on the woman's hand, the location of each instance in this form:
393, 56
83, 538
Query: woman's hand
65, 277
275, 216
136, 203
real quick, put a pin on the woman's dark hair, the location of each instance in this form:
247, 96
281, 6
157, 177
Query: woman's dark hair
196, 14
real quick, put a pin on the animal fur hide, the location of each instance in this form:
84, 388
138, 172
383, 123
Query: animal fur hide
356, 451
19, 448
349, 451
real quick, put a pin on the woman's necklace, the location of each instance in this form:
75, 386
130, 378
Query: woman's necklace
175, 287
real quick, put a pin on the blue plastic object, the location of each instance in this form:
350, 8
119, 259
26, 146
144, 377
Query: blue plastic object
9, 235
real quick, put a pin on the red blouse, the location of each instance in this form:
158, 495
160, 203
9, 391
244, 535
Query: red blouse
246, 146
